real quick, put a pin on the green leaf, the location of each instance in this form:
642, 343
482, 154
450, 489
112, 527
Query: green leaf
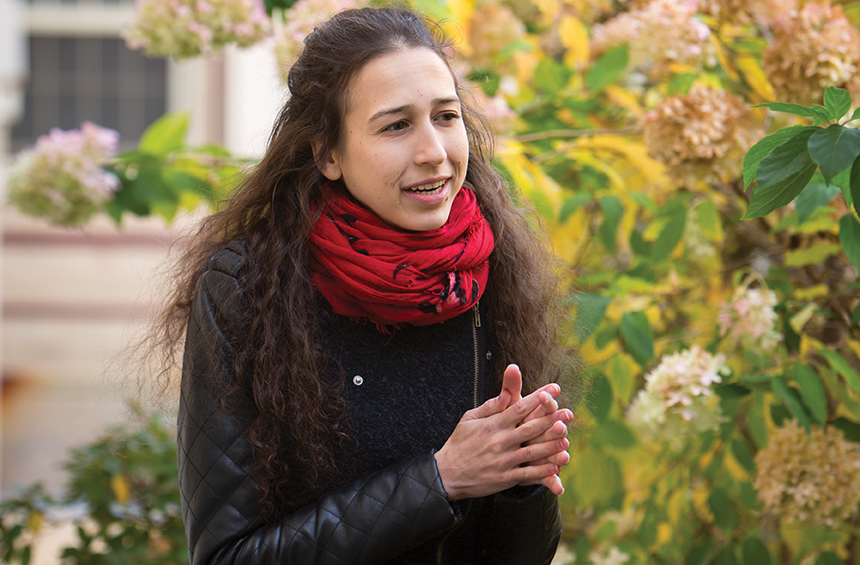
731, 391
841, 366
849, 237
792, 400
765, 146
725, 515
608, 68
638, 244
782, 175
819, 115
551, 76
829, 558
600, 398
852, 196
589, 312
612, 212
601, 484
614, 434
755, 552
816, 194
680, 84
572, 204
670, 236
837, 102
637, 336
744, 455
850, 429
165, 135
811, 391
709, 220
834, 149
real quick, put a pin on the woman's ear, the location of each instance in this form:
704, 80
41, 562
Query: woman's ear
328, 163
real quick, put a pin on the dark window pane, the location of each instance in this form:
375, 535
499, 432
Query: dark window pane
73, 79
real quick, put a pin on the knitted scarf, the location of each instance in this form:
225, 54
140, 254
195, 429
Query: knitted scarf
367, 269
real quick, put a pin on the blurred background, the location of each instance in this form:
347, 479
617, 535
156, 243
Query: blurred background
73, 298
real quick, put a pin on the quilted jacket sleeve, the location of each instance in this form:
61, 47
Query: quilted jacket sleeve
369, 521
522, 526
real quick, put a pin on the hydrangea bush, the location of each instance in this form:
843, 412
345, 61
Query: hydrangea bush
697, 163
62, 179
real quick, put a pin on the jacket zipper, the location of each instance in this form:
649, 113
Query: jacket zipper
477, 324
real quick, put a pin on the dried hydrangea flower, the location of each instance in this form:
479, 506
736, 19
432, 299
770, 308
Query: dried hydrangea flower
702, 136
678, 399
301, 19
809, 477
748, 319
492, 27
741, 12
187, 28
661, 33
812, 49
61, 179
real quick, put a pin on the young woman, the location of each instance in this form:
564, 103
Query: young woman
347, 317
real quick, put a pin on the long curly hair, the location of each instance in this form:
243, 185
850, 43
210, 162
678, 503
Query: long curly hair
278, 359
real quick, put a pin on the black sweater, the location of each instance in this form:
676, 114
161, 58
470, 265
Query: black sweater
405, 393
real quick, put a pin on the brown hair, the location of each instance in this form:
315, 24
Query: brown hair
273, 211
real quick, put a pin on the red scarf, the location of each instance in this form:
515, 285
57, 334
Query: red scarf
367, 269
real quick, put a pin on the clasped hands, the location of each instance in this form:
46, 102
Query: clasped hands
507, 441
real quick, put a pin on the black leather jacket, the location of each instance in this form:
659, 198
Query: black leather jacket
396, 511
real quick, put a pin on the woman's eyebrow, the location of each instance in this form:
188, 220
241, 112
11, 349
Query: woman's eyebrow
407, 107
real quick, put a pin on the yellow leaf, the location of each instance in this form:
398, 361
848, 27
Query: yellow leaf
574, 36
801, 318
664, 534
734, 468
723, 58
812, 292
812, 255
548, 8
855, 346
121, 490
624, 98
754, 75
35, 521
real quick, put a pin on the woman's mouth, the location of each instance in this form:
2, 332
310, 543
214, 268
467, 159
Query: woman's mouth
429, 189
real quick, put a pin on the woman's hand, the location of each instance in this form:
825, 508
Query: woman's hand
512, 388
507, 441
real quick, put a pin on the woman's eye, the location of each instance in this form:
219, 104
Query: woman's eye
397, 126
449, 116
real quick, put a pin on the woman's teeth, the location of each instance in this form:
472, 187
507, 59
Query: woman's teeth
429, 188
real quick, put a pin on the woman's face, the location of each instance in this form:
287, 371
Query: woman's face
403, 152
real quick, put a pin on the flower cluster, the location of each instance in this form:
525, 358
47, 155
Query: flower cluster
301, 19
809, 477
187, 28
61, 179
741, 12
613, 556
702, 136
812, 49
678, 400
660, 34
747, 320
492, 27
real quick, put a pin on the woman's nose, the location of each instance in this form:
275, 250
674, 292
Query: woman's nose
430, 147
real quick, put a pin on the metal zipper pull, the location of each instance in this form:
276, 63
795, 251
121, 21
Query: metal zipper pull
477, 311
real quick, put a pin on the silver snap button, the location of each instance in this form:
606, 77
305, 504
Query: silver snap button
489, 355
357, 380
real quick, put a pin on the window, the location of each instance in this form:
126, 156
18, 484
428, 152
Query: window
73, 79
